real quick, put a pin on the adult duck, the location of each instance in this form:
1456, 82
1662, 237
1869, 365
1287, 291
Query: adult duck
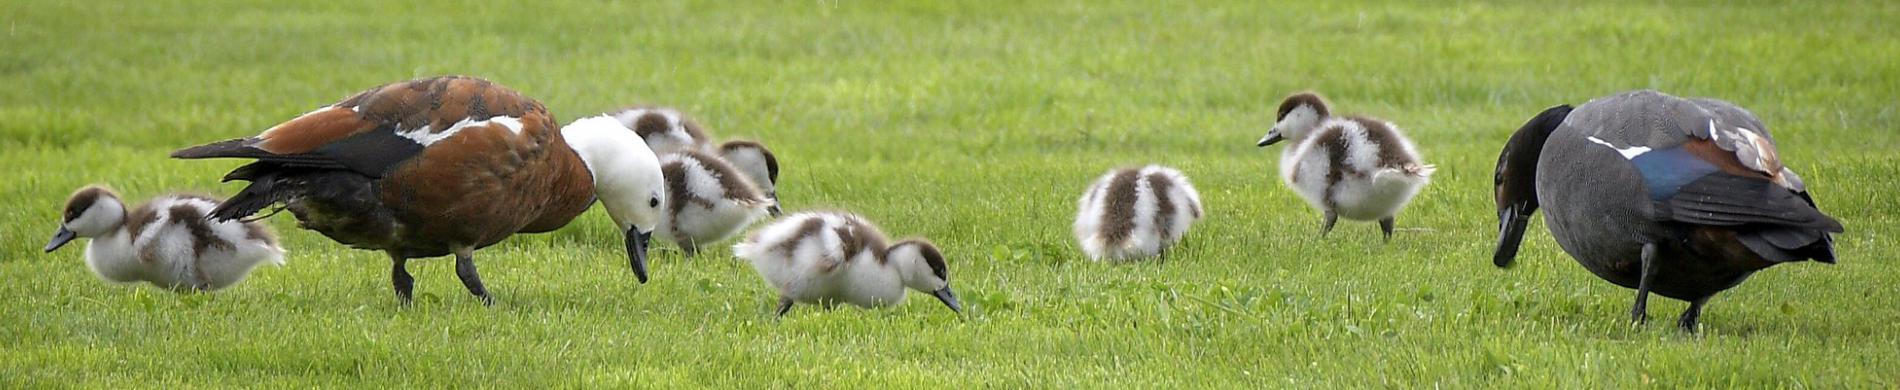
443, 165
1680, 197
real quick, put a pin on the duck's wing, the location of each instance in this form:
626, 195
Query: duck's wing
376, 130
1708, 162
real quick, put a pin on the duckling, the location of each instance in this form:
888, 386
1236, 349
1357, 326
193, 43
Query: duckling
1356, 167
757, 162
825, 258
707, 200
167, 241
1136, 213
665, 129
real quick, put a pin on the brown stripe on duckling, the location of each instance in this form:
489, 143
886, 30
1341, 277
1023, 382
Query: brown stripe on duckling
771, 161
674, 172
1164, 202
654, 121
139, 218
1333, 142
1309, 99
806, 230
693, 129
650, 123
1118, 209
735, 185
856, 236
203, 239
677, 195
1391, 145
677, 184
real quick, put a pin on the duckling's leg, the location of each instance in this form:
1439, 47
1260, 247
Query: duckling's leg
1688, 320
465, 269
784, 305
399, 276
688, 248
1327, 227
1385, 225
1640, 314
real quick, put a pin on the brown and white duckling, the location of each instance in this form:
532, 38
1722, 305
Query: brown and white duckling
707, 200
665, 130
826, 258
1355, 167
1134, 213
758, 163
167, 241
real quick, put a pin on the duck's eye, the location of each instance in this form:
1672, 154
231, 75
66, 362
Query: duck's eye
653, 202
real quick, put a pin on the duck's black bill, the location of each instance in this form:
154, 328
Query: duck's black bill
1511, 226
774, 210
637, 252
60, 238
949, 298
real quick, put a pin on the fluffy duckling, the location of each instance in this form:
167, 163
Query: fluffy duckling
825, 258
1136, 213
167, 242
665, 129
756, 162
707, 200
1355, 167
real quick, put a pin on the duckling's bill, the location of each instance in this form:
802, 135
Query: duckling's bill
1272, 137
949, 298
60, 238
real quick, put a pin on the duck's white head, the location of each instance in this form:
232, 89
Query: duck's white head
664, 130
91, 212
758, 164
922, 268
626, 177
1299, 115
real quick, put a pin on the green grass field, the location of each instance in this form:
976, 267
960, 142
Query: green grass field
976, 125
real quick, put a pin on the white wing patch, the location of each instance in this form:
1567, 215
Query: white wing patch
1629, 153
426, 137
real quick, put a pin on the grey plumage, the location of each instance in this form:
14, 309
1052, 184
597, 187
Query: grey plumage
1681, 197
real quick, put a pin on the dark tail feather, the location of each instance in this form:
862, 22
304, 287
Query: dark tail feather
1515, 183
241, 148
1785, 244
227, 148
250, 172
260, 194
1822, 251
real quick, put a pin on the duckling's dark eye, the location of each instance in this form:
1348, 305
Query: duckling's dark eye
653, 202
